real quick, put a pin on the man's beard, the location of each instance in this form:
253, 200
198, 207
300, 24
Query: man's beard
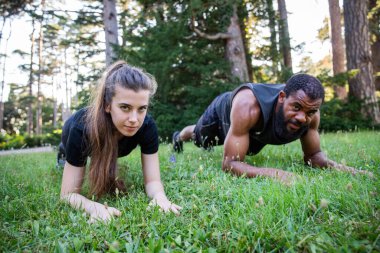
280, 126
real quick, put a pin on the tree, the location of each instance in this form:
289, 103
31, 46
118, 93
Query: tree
29, 128
272, 17
3, 77
374, 23
337, 45
285, 40
13, 7
235, 50
40, 68
358, 54
110, 29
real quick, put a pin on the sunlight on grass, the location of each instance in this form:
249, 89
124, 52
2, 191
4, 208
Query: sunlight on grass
323, 211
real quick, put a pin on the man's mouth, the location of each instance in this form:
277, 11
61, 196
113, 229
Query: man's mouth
294, 125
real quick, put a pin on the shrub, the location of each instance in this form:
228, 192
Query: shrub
20, 141
341, 115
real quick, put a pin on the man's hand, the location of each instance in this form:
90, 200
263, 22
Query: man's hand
285, 177
353, 171
164, 204
104, 213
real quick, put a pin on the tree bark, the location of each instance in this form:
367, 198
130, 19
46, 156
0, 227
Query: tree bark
110, 29
40, 67
337, 45
235, 52
374, 23
3, 77
31, 80
273, 37
284, 36
359, 57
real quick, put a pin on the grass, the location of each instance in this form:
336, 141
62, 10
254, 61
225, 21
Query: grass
325, 211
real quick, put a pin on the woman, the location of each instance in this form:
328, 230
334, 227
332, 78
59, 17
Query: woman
114, 124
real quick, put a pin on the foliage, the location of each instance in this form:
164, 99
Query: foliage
166, 47
28, 141
324, 211
338, 115
14, 7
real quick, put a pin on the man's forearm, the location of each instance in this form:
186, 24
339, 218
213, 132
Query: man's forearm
238, 168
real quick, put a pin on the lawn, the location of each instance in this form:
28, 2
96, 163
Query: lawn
324, 211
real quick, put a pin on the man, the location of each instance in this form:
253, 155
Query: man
254, 115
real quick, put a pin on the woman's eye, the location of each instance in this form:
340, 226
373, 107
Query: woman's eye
124, 108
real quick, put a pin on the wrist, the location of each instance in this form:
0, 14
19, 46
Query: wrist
159, 195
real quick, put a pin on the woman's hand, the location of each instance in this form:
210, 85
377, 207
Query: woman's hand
100, 212
164, 204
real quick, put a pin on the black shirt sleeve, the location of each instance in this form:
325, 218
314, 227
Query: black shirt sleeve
149, 137
74, 139
76, 148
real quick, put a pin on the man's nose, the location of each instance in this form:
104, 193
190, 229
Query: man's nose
301, 117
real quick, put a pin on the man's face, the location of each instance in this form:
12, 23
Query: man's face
294, 113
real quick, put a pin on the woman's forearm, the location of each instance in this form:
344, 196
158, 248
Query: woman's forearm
80, 202
153, 188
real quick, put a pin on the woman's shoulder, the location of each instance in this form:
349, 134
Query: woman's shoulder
149, 121
77, 119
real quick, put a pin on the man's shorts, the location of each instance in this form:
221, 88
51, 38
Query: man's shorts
208, 131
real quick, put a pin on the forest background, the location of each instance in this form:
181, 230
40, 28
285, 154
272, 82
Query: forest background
195, 49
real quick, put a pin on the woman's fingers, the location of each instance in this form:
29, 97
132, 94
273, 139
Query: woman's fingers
114, 211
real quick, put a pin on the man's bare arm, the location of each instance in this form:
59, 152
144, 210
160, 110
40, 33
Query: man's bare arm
245, 114
313, 155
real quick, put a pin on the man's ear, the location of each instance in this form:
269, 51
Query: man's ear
281, 96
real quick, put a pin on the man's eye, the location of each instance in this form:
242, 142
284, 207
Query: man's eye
296, 107
310, 114
142, 109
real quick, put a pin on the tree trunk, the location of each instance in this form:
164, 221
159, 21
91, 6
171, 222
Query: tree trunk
374, 23
284, 36
3, 77
235, 51
66, 113
359, 56
31, 80
54, 97
40, 67
110, 29
337, 46
273, 37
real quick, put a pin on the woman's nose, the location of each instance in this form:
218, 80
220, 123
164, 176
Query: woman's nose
133, 117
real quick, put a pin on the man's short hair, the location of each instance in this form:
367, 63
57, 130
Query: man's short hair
309, 84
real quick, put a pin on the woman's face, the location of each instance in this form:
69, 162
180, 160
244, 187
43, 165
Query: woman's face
128, 109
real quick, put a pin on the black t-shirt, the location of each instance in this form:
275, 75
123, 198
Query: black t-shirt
75, 139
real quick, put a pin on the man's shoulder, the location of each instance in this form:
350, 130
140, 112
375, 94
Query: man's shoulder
245, 98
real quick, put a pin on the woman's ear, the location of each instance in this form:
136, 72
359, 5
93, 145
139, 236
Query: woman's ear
107, 108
